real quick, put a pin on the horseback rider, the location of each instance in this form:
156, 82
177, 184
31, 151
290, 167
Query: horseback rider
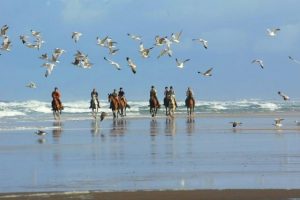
121, 96
153, 94
114, 95
166, 93
172, 94
189, 95
56, 98
94, 94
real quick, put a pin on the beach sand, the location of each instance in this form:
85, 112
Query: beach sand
142, 158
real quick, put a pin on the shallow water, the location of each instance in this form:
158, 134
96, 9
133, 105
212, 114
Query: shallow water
146, 154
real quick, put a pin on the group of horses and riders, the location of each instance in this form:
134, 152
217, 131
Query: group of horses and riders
118, 102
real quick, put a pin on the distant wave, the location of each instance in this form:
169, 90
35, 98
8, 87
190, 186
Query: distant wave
34, 108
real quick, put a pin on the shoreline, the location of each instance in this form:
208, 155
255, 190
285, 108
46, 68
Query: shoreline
273, 194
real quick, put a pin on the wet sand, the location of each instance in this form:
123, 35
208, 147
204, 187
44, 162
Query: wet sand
180, 158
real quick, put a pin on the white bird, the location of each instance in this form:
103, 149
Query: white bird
36, 34
6, 44
49, 67
144, 51
278, 122
101, 42
115, 64
259, 62
4, 30
175, 37
85, 63
23, 38
113, 51
76, 36
180, 64
31, 85
40, 132
131, 65
296, 61
206, 73
159, 41
273, 32
202, 41
134, 37
235, 124
167, 51
284, 96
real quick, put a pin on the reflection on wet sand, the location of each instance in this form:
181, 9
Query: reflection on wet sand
190, 125
57, 130
170, 128
119, 127
95, 128
153, 127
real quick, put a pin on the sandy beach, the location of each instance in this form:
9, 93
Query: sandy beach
144, 158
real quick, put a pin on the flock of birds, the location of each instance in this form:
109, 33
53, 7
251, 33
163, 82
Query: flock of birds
82, 60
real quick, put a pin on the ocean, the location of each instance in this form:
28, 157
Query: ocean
41, 110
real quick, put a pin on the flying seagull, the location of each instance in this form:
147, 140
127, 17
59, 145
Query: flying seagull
134, 37
101, 42
175, 37
278, 122
131, 65
296, 61
49, 67
180, 64
284, 96
259, 62
115, 64
273, 32
76, 36
144, 52
4, 30
202, 41
31, 85
206, 73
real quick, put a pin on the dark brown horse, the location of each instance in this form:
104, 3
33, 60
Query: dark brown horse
154, 106
190, 105
114, 105
57, 107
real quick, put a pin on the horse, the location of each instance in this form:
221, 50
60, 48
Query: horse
94, 105
114, 105
57, 108
154, 105
122, 106
170, 105
190, 105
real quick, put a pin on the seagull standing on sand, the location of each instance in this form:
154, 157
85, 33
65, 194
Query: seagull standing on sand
115, 64
76, 36
206, 73
259, 62
131, 65
278, 122
40, 132
273, 32
235, 124
103, 115
180, 64
202, 41
284, 96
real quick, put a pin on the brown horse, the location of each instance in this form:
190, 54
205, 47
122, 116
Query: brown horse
190, 105
122, 106
154, 105
57, 107
114, 105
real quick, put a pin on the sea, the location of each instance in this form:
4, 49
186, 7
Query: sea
79, 110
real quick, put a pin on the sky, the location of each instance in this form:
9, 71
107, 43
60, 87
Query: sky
235, 31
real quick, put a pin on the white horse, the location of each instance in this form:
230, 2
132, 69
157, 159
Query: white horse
95, 106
